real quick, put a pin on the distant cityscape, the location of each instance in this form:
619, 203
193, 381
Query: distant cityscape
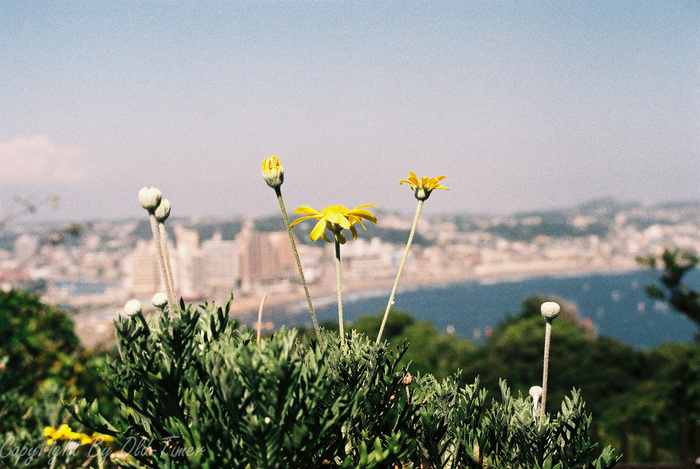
94, 268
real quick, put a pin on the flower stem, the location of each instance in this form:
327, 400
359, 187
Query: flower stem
547, 339
341, 326
156, 239
278, 190
398, 274
259, 324
168, 268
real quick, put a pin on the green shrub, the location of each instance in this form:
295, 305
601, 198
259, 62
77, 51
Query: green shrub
41, 364
196, 391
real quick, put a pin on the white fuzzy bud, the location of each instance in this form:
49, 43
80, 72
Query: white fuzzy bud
149, 198
163, 211
536, 394
550, 310
132, 308
160, 300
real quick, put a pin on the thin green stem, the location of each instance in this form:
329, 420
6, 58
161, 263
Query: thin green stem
398, 274
168, 268
144, 323
278, 190
340, 291
547, 339
159, 249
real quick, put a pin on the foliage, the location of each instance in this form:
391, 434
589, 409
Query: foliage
196, 391
231, 402
41, 363
430, 352
676, 265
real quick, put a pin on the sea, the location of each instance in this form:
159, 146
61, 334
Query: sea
615, 303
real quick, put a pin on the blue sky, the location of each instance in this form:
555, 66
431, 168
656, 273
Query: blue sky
522, 105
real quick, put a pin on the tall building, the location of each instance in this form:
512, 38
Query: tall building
368, 259
265, 258
142, 270
26, 248
219, 269
186, 278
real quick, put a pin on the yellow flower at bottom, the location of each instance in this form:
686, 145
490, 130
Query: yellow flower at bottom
423, 187
335, 218
64, 432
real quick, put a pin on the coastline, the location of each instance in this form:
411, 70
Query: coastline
323, 294
98, 332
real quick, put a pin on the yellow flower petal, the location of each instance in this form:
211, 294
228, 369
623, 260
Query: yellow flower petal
299, 220
318, 230
306, 210
335, 218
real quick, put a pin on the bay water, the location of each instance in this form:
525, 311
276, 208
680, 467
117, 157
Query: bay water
614, 302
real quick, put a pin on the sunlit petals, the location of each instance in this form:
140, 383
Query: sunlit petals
306, 210
318, 230
423, 187
335, 218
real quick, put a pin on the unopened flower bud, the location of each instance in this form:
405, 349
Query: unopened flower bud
163, 211
536, 394
149, 198
132, 308
550, 310
160, 300
272, 171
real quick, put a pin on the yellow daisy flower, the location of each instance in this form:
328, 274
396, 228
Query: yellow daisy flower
64, 432
424, 186
272, 171
335, 218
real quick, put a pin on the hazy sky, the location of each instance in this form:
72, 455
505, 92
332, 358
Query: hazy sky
522, 105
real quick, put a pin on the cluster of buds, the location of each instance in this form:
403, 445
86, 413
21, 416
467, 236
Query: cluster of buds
158, 210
